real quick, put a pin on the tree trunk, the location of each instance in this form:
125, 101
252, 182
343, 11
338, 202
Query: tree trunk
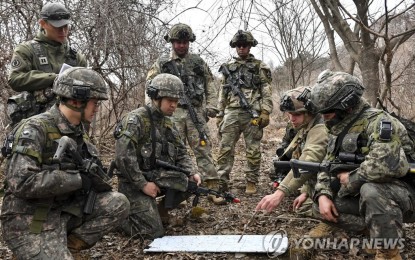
369, 66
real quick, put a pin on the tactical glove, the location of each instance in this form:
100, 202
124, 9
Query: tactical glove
263, 119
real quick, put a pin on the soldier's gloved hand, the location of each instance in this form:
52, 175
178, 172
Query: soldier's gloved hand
211, 112
263, 119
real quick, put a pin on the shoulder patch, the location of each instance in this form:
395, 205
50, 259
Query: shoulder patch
16, 62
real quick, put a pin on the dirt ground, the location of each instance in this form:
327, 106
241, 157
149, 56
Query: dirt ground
230, 220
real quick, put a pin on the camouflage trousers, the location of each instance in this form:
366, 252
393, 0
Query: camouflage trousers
144, 220
382, 208
110, 210
235, 122
203, 154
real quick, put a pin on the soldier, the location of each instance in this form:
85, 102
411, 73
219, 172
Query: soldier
145, 137
309, 144
199, 101
373, 196
233, 119
43, 214
36, 63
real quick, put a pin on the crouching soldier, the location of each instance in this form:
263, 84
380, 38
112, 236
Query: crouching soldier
44, 212
374, 194
148, 150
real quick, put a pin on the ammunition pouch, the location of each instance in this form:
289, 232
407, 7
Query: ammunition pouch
21, 106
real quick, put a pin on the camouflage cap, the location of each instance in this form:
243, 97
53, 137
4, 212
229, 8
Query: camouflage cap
336, 91
180, 31
56, 14
243, 37
80, 83
165, 85
289, 101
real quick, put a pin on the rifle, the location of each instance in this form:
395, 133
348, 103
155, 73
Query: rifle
189, 89
235, 85
170, 198
347, 162
282, 168
85, 166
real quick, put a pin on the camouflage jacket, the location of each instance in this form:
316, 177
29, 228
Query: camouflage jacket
31, 181
26, 72
192, 67
309, 144
384, 159
134, 148
258, 92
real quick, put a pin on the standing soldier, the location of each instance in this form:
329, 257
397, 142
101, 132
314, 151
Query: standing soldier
47, 212
36, 63
245, 103
198, 102
374, 195
309, 144
145, 137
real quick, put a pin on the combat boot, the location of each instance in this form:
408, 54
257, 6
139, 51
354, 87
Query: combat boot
250, 188
388, 254
323, 230
214, 185
75, 245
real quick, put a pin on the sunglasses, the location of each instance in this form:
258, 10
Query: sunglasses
242, 45
58, 16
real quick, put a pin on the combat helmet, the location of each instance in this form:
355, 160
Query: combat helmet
293, 100
165, 85
243, 36
335, 91
81, 84
180, 31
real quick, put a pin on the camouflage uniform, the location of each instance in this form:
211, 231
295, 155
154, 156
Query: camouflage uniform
42, 207
133, 158
34, 66
375, 197
237, 120
203, 98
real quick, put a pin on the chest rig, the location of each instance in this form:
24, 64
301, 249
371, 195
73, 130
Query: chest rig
191, 72
249, 72
154, 137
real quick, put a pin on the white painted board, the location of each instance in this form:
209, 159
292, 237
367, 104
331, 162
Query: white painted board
274, 244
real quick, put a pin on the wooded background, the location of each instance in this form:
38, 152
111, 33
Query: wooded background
121, 39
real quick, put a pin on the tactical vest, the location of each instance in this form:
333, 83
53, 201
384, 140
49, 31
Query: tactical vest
192, 74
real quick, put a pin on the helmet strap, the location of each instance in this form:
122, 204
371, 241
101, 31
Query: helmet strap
80, 109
